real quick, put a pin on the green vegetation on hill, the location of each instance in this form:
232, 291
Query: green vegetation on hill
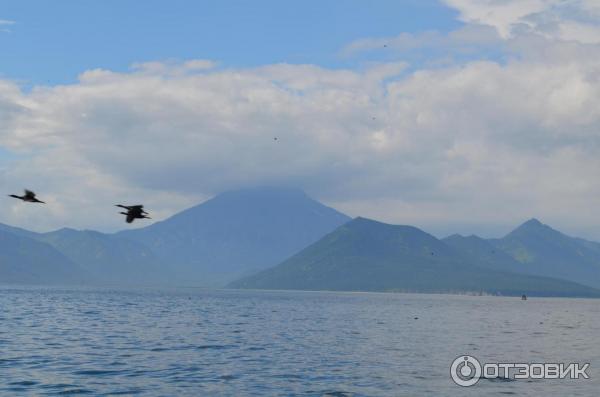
541, 250
364, 255
278, 238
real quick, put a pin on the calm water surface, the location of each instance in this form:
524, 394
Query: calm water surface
248, 343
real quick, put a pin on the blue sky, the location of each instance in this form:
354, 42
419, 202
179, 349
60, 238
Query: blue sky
52, 42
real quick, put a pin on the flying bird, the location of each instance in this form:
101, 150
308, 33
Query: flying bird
29, 196
133, 212
132, 207
130, 217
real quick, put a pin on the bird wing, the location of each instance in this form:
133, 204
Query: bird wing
29, 194
136, 212
139, 209
130, 217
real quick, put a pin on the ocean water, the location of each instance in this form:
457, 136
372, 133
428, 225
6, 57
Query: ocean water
190, 342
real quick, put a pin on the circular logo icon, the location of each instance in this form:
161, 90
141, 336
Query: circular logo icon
465, 371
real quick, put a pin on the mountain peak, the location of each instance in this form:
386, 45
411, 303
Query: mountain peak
265, 191
533, 225
533, 222
546, 251
369, 226
366, 255
359, 220
457, 236
239, 231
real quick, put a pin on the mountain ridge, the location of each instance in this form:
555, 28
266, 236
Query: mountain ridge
542, 250
366, 255
240, 233
25, 260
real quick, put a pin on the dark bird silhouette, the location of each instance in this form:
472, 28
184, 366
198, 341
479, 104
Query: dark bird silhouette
29, 196
131, 216
133, 208
134, 212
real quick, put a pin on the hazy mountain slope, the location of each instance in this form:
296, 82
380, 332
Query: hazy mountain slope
109, 259
27, 261
545, 251
364, 255
481, 252
17, 231
237, 233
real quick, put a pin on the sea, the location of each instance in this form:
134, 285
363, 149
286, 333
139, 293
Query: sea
201, 342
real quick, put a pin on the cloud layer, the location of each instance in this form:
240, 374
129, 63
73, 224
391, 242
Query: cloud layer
576, 20
459, 145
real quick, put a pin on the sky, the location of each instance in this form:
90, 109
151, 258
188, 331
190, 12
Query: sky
467, 116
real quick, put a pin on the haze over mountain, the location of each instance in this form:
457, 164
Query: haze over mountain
26, 261
237, 233
365, 255
108, 258
240, 233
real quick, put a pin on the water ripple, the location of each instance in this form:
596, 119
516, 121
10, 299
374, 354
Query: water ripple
246, 343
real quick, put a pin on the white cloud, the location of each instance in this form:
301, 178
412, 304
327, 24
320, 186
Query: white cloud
469, 38
4, 23
173, 67
475, 143
576, 20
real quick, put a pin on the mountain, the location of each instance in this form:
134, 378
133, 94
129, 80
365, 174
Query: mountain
17, 231
26, 261
483, 253
240, 233
365, 255
544, 251
108, 258
231, 235
237, 233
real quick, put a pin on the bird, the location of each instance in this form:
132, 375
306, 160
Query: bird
29, 196
137, 207
133, 212
131, 216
